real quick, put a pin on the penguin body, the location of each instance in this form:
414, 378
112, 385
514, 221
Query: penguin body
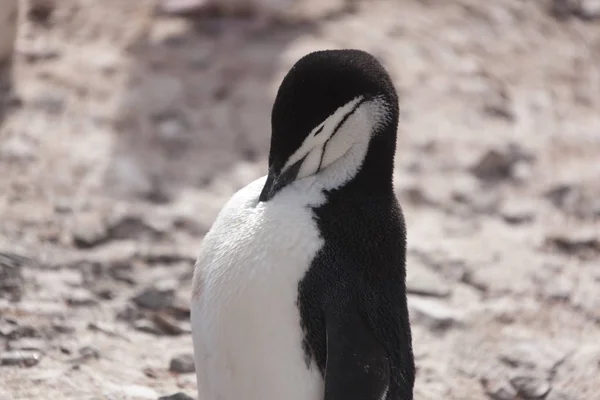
299, 288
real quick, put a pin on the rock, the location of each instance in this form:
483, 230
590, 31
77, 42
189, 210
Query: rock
182, 364
132, 226
40, 10
422, 281
169, 325
176, 396
9, 15
586, 297
516, 213
501, 393
11, 276
529, 387
574, 199
556, 395
26, 358
589, 9
8, 328
154, 298
467, 192
496, 165
145, 325
86, 354
135, 392
497, 103
585, 245
34, 344
61, 326
498, 389
81, 297
533, 355
435, 314
90, 230
129, 313
493, 165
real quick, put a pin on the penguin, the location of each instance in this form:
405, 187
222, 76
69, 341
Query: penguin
299, 287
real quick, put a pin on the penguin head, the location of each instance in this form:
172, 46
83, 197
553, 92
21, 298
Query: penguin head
333, 105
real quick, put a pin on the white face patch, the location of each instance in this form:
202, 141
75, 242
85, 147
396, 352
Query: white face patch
352, 123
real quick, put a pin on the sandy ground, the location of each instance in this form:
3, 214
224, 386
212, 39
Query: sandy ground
127, 129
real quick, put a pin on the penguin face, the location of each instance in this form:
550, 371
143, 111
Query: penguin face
329, 102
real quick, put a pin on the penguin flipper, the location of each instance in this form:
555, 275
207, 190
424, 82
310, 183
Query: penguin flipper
357, 365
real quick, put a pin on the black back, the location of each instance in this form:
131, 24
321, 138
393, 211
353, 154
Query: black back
354, 293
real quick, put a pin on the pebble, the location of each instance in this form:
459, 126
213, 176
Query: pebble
90, 230
154, 298
498, 389
8, 328
81, 297
169, 325
529, 387
581, 244
493, 165
496, 165
26, 358
589, 9
530, 354
182, 364
11, 276
176, 396
34, 344
422, 281
516, 213
573, 199
435, 314
145, 325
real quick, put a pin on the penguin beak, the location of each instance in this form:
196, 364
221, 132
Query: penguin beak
277, 181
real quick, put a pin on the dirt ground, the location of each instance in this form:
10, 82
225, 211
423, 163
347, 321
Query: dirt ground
128, 128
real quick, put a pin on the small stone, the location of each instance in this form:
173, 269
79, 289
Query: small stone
27, 344
574, 199
497, 103
90, 230
498, 389
589, 9
40, 10
585, 245
516, 213
62, 327
422, 281
136, 392
182, 364
86, 354
145, 325
11, 276
532, 355
26, 358
154, 298
81, 297
176, 396
8, 328
556, 395
182, 7
435, 314
493, 165
169, 325
530, 387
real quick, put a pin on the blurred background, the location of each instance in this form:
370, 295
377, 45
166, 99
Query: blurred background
126, 124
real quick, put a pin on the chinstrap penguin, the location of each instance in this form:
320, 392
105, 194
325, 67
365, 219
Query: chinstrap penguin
299, 289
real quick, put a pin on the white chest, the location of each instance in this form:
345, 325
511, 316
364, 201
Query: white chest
246, 324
